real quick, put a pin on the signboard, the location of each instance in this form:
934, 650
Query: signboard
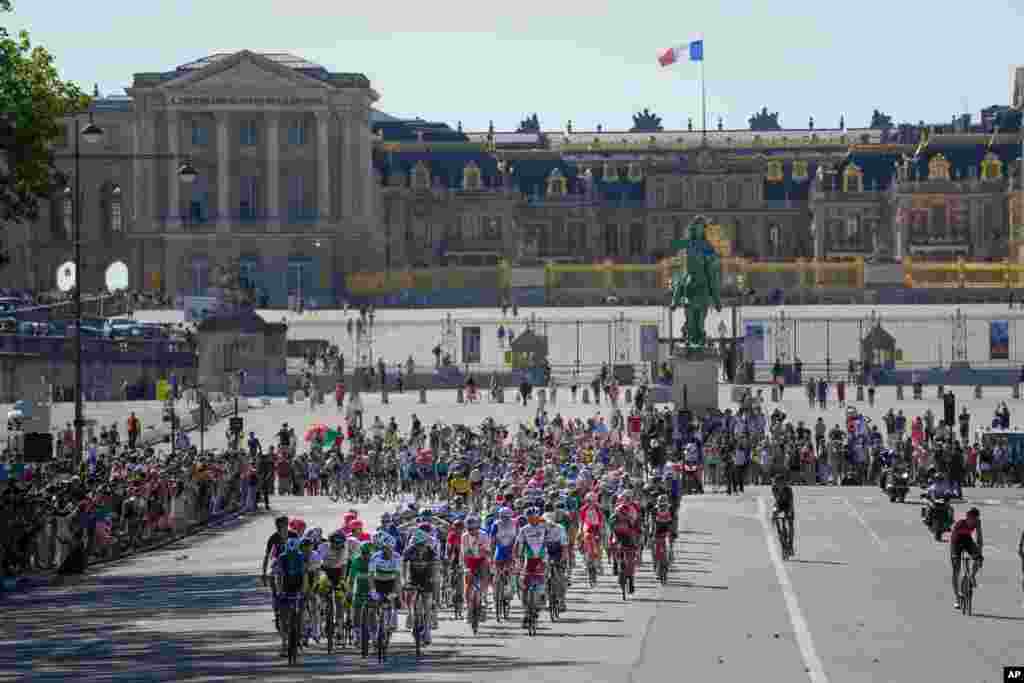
191, 101
199, 308
999, 340
754, 340
649, 343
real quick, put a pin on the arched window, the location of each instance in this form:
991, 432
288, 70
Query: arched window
938, 168
471, 177
853, 179
991, 167
557, 184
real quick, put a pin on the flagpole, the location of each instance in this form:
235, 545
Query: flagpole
703, 103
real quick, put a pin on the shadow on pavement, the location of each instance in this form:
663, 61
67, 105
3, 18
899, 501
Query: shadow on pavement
1000, 617
822, 562
178, 627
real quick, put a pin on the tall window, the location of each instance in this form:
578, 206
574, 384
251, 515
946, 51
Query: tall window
199, 200
611, 239
248, 270
297, 207
703, 193
297, 132
735, 197
200, 134
248, 132
248, 193
199, 270
637, 239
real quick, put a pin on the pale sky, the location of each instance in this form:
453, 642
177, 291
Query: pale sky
590, 61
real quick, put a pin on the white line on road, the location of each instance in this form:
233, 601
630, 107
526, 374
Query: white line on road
864, 523
803, 633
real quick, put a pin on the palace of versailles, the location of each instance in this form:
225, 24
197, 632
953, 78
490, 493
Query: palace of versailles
309, 192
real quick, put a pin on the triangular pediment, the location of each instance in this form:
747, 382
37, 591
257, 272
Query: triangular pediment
244, 71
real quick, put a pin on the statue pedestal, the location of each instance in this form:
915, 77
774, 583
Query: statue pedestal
695, 381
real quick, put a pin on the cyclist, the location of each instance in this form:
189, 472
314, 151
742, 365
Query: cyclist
592, 520
290, 567
458, 484
961, 540
785, 506
476, 546
309, 545
664, 524
359, 582
556, 541
532, 549
420, 569
385, 573
625, 524
275, 546
503, 534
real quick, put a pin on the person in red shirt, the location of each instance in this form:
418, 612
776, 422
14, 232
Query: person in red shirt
961, 540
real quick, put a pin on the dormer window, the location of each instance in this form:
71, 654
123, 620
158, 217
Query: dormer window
991, 167
938, 168
557, 184
635, 173
610, 174
471, 177
775, 172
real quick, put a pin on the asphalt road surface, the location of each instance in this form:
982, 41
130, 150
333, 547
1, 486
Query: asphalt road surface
867, 598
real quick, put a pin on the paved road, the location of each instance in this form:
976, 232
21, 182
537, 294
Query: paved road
867, 599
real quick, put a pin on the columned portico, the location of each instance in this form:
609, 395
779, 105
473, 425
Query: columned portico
347, 167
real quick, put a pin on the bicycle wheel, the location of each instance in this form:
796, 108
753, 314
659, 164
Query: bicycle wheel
623, 583
382, 634
293, 636
499, 597
364, 631
329, 624
334, 491
417, 626
474, 616
532, 623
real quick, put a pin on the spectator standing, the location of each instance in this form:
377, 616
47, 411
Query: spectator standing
133, 430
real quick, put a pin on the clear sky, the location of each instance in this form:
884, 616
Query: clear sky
589, 61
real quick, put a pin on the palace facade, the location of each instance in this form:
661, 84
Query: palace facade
305, 186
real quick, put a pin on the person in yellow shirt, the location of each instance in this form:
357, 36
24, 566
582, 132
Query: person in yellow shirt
458, 484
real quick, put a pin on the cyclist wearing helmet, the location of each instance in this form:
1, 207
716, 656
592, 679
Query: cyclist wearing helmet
385, 572
503, 533
290, 570
359, 580
663, 518
785, 504
476, 547
336, 559
531, 547
275, 546
961, 540
556, 541
420, 565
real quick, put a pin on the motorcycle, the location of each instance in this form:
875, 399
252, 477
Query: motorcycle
937, 514
898, 485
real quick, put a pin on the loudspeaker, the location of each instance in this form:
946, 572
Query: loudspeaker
38, 447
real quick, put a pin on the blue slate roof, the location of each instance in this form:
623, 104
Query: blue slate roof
409, 130
963, 152
446, 164
530, 175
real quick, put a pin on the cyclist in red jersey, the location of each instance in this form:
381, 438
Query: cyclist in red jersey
961, 540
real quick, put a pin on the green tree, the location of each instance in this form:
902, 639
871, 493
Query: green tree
880, 120
646, 122
762, 120
33, 98
531, 124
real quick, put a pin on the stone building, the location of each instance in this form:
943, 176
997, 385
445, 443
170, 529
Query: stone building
317, 196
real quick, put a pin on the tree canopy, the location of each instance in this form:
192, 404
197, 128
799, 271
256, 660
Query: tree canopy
33, 98
880, 120
646, 122
762, 120
531, 124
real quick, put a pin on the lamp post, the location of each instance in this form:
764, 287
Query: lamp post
91, 134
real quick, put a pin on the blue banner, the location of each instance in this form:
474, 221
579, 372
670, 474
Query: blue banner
754, 339
999, 340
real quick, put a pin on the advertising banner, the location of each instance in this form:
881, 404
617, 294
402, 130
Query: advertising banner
999, 340
649, 343
754, 340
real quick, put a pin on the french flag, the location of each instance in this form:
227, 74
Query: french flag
694, 49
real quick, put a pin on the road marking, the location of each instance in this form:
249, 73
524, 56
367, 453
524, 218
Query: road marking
864, 523
803, 633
